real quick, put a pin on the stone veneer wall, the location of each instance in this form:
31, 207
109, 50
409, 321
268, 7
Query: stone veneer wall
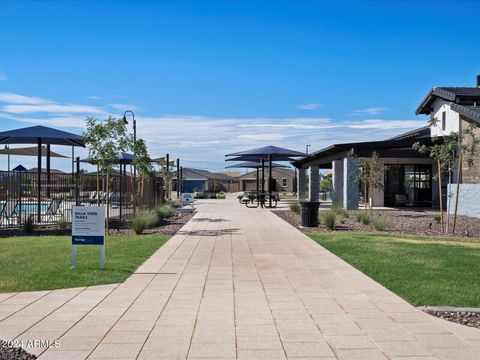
468, 199
470, 175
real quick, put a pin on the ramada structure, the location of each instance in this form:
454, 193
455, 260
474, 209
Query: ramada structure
409, 177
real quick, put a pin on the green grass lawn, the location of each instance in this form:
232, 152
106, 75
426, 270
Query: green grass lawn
423, 271
43, 263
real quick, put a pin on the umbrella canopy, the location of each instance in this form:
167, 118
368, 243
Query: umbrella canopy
257, 158
19, 168
122, 158
163, 162
41, 135
29, 151
254, 165
269, 151
31, 135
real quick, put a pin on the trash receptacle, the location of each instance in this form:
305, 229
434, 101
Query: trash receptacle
309, 213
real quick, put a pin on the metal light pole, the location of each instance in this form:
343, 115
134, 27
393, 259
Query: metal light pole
134, 148
8, 157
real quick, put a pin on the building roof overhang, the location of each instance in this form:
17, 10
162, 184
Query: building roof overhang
386, 148
451, 94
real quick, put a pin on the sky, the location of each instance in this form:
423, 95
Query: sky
206, 78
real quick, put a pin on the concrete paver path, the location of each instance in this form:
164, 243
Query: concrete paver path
234, 283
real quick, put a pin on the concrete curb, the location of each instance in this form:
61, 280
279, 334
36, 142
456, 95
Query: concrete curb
449, 309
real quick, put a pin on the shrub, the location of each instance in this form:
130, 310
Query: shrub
295, 208
328, 219
62, 224
164, 211
338, 209
437, 218
144, 220
221, 195
380, 223
29, 225
363, 217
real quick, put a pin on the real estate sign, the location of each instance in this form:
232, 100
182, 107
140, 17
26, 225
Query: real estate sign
88, 225
88, 228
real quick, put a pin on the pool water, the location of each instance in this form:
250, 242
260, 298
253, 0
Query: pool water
31, 207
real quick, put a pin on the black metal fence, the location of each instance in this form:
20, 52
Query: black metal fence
59, 192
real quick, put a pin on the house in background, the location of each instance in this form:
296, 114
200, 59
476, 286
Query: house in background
197, 180
285, 180
409, 177
455, 108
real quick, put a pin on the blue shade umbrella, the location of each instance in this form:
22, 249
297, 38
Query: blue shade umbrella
122, 158
32, 134
20, 168
41, 135
257, 158
254, 165
269, 153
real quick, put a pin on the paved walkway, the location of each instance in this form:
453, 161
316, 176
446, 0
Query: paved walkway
235, 283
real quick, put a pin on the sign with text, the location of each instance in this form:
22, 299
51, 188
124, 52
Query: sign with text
187, 197
88, 225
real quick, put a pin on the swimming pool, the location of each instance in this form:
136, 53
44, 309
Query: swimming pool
29, 207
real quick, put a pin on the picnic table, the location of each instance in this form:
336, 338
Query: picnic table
254, 199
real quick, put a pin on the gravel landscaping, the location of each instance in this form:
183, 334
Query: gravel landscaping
405, 222
468, 318
14, 353
168, 226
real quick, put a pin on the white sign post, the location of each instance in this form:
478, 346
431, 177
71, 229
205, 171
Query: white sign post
88, 228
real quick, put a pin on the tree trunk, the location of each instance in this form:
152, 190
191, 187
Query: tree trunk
142, 190
459, 173
447, 226
365, 195
98, 185
440, 194
108, 201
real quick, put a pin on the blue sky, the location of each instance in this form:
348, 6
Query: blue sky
207, 78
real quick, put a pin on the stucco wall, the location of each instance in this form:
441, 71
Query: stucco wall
468, 199
452, 118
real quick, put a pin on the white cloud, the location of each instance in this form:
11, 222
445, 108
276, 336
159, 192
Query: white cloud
123, 107
93, 97
202, 141
262, 137
310, 106
3, 77
371, 110
52, 108
12, 98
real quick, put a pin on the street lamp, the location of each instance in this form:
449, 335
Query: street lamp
134, 147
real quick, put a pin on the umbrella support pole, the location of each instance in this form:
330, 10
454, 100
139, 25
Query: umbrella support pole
39, 180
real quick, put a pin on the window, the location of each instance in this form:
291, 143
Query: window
284, 182
444, 120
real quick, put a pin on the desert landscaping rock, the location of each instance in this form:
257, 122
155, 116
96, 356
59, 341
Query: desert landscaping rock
405, 222
468, 318
14, 353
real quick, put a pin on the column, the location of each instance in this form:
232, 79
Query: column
337, 181
350, 187
314, 188
301, 184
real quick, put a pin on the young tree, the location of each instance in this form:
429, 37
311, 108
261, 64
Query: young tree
449, 150
104, 140
369, 174
143, 163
